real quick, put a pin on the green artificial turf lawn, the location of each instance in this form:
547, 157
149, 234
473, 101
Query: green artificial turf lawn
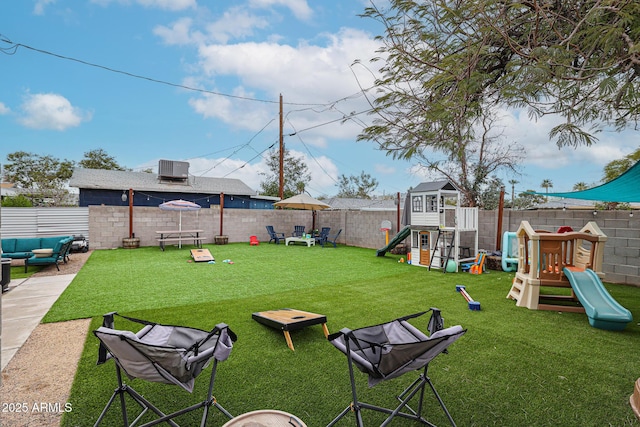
514, 367
17, 271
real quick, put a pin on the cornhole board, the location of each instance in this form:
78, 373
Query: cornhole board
201, 255
288, 319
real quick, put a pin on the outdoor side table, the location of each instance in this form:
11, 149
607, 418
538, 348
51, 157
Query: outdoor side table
288, 319
309, 241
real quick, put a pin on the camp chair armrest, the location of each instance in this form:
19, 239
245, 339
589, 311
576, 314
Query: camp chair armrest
222, 348
448, 331
203, 355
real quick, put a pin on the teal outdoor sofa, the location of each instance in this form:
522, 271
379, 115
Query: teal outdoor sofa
23, 248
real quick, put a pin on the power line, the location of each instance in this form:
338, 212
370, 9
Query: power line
251, 159
310, 153
13, 49
247, 144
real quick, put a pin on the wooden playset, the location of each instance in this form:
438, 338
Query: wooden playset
438, 225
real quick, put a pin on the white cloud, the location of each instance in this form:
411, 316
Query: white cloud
51, 111
229, 168
168, 4
173, 5
235, 23
322, 170
299, 8
303, 74
543, 153
4, 109
38, 8
178, 33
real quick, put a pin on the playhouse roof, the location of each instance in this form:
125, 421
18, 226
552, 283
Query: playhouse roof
435, 186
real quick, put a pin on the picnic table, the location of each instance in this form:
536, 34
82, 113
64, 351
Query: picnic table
180, 236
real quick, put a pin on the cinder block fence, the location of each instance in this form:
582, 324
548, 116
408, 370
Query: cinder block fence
107, 226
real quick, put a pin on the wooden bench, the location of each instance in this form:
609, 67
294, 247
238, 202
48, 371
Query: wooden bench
197, 241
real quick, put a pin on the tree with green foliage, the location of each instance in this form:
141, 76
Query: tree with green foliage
361, 187
490, 195
580, 186
528, 199
576, 59
617, 167
546, 184
18, 201
430, 104
99, 159
296, 175
614, 169
43, 179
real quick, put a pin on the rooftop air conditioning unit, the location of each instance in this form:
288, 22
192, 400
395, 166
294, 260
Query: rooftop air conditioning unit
173, 169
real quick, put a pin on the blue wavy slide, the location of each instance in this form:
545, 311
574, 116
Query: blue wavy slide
603, 311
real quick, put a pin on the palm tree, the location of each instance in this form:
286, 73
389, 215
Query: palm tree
547, 184
580, 186
513, 183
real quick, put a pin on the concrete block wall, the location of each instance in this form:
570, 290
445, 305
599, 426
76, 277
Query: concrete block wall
108, 225
622, 250
359, 228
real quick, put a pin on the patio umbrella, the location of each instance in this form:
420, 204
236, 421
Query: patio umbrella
179, 205
303, 201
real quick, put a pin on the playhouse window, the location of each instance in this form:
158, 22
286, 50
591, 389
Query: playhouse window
416, 204
432, 204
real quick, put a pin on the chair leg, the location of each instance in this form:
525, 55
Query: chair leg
212, 400
442, 405
146, 405
416, 388
355, 405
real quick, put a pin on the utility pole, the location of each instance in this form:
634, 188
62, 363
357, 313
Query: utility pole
281, 174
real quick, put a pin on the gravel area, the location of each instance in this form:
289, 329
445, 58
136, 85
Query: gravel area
37, 381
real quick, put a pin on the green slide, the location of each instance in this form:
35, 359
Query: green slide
603, 311
402, 234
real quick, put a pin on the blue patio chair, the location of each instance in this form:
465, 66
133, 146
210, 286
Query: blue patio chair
332, 239
298, 231
273, 235
323, 236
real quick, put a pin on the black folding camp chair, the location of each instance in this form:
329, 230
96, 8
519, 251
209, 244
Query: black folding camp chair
163, 354
389, 350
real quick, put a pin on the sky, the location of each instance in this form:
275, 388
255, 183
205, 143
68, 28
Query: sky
200, 81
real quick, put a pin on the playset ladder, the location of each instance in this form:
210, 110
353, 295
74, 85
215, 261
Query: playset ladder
441, 243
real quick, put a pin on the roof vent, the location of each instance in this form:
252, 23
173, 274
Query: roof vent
173, 170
